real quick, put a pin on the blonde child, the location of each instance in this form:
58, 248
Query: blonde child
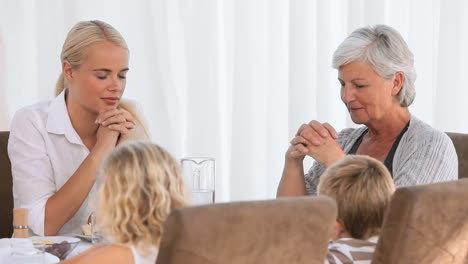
362, 188
141, 184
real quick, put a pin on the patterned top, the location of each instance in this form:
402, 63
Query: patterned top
424, 155
351, 250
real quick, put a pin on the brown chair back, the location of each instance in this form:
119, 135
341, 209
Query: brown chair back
6, 191
426, 224
460, 141
286, 230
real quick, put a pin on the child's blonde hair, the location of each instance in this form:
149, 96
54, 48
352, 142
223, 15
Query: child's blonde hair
362, 188
141, 184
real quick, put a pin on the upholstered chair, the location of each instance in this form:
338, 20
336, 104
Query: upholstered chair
426, 224
6, 193
460, 141
287, 230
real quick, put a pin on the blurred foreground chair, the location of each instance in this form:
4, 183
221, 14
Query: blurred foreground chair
6, 192
460, 141
426, 224
288, 230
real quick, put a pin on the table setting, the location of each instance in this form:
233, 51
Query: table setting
41, 249
25, 247
199, 174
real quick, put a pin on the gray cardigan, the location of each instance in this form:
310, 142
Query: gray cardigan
424, 155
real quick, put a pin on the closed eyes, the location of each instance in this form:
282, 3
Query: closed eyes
105, 77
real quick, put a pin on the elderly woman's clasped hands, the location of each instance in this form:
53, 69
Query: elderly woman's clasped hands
316, 140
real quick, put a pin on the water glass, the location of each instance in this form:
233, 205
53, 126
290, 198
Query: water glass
96, 238
199, 174
24, 250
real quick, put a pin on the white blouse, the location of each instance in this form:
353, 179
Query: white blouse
144, 259
45, 151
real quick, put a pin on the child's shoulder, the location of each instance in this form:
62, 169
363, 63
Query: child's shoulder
112, 253
348, 250
354, 242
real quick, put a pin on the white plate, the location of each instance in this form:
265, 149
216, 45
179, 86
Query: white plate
87, 238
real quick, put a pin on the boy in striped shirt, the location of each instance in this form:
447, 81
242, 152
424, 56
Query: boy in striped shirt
362, 188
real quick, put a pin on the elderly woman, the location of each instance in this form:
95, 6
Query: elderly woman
376, 73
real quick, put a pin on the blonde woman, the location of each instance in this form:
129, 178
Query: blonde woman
142, 183
56, 147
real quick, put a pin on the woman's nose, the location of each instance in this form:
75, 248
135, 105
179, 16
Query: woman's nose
347, 94
116, 84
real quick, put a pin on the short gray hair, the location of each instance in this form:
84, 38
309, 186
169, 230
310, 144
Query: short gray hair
386, 50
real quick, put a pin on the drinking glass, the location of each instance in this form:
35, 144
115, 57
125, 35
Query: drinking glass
96, 238
199, 174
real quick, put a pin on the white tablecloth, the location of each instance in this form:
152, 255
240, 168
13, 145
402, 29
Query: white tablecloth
5, 251
82, 247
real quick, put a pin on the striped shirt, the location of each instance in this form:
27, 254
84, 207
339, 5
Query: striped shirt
351, 250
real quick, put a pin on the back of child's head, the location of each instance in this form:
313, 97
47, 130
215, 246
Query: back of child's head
141, 183
362, 188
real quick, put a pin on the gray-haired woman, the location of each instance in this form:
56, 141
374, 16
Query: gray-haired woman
376, 73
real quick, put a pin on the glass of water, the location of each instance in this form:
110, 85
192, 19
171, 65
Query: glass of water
96, 237
199, 174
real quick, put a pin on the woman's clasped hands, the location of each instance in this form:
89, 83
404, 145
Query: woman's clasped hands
116, 122
316, 140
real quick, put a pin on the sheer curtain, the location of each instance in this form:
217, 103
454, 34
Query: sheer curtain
234, 79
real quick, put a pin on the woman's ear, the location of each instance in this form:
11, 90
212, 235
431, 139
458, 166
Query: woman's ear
398, 80
67, 71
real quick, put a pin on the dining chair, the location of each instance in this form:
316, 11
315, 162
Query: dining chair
286, 230
6, 192
426, 224
460, 141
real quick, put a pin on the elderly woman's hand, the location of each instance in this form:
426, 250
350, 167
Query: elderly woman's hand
316, 140
315, 131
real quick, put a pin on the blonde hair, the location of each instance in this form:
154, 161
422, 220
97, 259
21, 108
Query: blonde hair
80, 37
362, 188
142, 183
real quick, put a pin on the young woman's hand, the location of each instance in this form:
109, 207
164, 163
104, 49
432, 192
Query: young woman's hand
118, 120
106, 140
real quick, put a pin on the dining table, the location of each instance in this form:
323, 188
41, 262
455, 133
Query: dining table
82, 247
5, 250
